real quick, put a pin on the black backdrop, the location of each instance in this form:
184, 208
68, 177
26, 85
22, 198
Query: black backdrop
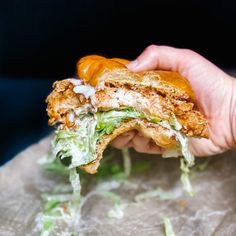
40, 41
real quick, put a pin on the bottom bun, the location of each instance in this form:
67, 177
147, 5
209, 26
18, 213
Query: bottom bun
163, 137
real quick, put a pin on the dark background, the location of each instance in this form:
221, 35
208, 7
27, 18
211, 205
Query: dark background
40, 42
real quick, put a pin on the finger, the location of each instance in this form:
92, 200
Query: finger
165, 58
204, 147
145, 145
155, 149
124, 139
188, 63
139, 141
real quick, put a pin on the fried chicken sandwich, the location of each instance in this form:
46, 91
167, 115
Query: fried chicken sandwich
107, 100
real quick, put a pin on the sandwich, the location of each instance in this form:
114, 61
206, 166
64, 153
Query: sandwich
106, 100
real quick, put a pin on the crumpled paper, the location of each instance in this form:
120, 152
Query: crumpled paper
212, 211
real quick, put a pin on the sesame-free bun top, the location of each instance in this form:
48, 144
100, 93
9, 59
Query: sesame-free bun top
97, 70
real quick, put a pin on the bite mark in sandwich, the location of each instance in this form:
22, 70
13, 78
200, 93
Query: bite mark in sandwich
107, 100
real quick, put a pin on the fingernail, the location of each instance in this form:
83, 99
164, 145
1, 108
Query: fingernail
132, 64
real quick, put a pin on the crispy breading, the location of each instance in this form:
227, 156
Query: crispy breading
63, 103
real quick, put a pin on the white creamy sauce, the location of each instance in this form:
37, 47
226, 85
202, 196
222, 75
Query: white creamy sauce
86, 90
101, 84
71, 116
93, 101
170, 133
183, 140
83, 109
127, 98
78, 156
83, 146
177, 126
74, 81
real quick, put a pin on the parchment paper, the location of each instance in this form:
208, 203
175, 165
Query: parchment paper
212, 211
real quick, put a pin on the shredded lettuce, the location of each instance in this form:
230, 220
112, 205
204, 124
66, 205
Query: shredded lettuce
185, 177
75, 182
80, 145
117, 211
59, 214
188, 156
108, 121
199, 167
160, 193
174, 126
168, 227
188, 159
127, 162
72, 149
76, 148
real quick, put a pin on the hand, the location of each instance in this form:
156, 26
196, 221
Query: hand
215, 93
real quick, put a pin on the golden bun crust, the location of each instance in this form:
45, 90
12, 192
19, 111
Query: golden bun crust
90, 68
95, 69
160, 135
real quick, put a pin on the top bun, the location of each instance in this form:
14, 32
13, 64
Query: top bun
96, 70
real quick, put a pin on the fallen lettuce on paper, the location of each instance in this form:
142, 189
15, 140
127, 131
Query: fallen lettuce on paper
210, 212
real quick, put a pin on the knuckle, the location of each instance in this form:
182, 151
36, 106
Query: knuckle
189, 52
151, 48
